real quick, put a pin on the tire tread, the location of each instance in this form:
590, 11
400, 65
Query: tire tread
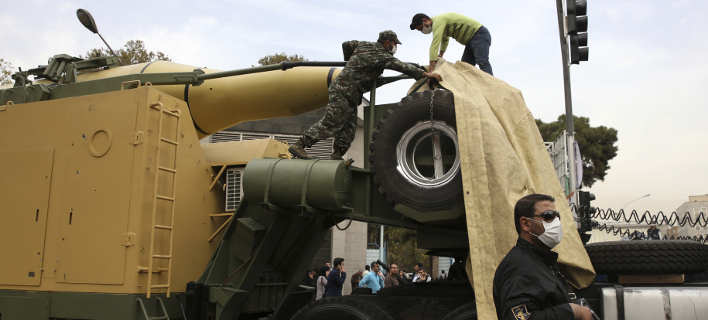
648, 257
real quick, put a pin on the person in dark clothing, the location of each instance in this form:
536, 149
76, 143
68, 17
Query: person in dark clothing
392, 277
366, 61
402, 278
335, 279
653, 232
528, 283
356, 278
309, 279
457, 271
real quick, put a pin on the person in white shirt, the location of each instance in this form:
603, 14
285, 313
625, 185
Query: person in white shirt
423, 275
321, 282
417, 267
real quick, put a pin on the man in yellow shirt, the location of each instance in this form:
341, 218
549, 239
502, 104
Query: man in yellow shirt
467, 31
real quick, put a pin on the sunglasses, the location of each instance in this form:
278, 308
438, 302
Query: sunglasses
548, 216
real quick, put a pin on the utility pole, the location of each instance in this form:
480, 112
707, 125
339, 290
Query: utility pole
573, 50
381, 247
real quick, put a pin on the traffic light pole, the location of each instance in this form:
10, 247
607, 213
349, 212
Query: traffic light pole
570, 138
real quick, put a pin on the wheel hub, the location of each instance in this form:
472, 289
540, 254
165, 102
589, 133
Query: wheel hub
428, 158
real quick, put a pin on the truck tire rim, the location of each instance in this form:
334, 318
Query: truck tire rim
413, 154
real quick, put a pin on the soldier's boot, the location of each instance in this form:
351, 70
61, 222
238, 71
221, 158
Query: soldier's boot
298, 150
337, 154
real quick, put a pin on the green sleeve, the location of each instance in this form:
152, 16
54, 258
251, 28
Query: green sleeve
348, 48
440, 40
439, 28
437, 39
405, 68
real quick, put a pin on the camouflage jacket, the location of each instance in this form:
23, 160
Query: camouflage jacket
366, 62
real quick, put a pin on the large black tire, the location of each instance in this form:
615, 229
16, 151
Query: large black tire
648, 257
465, 312
418, 188
342, 308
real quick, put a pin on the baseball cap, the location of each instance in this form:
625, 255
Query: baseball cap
389, 35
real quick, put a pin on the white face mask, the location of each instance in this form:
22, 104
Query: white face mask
393, 50
553, 234
427, 29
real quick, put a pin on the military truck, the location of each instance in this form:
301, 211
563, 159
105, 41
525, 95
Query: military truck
110, 208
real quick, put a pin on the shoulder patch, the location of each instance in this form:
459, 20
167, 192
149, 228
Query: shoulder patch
520, 312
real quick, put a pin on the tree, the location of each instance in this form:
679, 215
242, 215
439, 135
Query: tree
278, 58
133, 52
597, 145
401, 244
5, 72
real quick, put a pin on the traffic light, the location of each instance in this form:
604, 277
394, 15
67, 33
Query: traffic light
585, 210
577, 30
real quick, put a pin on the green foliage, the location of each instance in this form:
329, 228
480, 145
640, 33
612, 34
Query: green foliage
133, 52
5, 72
406, 253
278, 58
597, 145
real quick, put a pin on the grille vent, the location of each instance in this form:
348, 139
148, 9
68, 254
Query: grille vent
322, 150
233, 188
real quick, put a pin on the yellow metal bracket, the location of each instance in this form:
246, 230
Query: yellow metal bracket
230, 215
132, 84
216, 178
128, 237
138, 138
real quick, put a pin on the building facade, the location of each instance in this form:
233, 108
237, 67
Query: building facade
697, 209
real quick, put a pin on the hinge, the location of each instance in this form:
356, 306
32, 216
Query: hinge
128, 238
138, 138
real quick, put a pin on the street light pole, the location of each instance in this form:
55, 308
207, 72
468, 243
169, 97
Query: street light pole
644, 196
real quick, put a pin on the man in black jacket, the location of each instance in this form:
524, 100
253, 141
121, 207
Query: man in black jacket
528, 283
335, 279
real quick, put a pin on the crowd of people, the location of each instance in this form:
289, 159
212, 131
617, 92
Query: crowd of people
328, 280
523, 285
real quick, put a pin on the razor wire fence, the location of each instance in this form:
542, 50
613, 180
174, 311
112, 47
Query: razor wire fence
584, 214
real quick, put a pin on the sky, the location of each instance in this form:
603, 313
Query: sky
646, 67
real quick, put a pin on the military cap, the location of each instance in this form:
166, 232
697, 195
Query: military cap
389, 35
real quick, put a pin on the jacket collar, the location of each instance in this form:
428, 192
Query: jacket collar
548, 258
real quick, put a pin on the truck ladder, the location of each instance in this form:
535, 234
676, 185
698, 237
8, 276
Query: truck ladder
170, 198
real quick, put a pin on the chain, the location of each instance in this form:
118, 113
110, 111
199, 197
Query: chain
432, 127
433, 131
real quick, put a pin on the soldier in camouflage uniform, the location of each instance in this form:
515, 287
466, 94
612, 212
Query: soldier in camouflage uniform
366, 62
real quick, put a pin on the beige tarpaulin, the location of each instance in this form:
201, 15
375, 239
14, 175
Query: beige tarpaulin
503, 158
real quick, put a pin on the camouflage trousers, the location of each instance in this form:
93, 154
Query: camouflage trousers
339, 121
